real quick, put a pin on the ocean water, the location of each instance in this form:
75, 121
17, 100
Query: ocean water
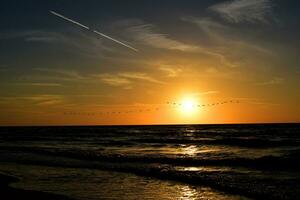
259, 161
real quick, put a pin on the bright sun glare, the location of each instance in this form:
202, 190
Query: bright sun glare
188, 106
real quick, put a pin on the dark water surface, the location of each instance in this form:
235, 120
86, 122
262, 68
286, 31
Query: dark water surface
156, 162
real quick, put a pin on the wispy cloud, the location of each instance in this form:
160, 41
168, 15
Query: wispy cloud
46, 84
39, 84
43, 36
140, 76
273, 81
114, 80
150, 35
126, 79
61, 73
215, 33
209, 92
39, 100
221, 33
205, 93
237, 11
171, 71
83, 43
225, 42
120, 79
3, 68
209, 26
34, 36
256, 101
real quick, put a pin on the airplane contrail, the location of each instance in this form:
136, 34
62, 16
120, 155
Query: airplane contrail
94, 31
117, 41
70, 20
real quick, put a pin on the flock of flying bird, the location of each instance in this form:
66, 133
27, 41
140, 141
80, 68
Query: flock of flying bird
152, 109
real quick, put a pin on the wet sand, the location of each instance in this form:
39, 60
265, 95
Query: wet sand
13, 193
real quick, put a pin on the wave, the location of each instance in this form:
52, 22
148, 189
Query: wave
253, 143
287, 162
252, 136
95, 147
246, 184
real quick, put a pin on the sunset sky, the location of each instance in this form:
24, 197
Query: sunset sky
201, 52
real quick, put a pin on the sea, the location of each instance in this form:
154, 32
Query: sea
187, 162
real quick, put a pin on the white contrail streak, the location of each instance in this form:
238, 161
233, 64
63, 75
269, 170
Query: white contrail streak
117, 41
70, 20
94, 31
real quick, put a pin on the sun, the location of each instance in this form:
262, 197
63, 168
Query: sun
188, 106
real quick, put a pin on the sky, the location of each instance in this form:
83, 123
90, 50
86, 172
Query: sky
53, 72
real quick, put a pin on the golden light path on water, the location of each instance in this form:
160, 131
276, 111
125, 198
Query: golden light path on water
107, 185
188, 193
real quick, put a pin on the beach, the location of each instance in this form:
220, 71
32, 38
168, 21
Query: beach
13, 193
152, 162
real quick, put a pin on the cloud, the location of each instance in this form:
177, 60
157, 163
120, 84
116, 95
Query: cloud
39, 84
205, 93
45, 84
34, 36
223, 34
3, 68
39, 100
238, 11
171, 72
45, 37
80, 42
126, 79
140, 76
123, 79
212, 70
217, 42
209, 92
148, 34
61, 74
273, 81
209, 26
114, 80
226, 43
44, 99
255, 101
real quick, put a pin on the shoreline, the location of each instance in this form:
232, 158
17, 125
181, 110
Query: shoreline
14, 193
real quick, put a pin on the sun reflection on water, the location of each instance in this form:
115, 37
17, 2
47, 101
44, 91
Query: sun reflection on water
191, 150
188, 193
194, 150
203, 169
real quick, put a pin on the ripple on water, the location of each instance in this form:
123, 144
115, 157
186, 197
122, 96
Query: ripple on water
95, 184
